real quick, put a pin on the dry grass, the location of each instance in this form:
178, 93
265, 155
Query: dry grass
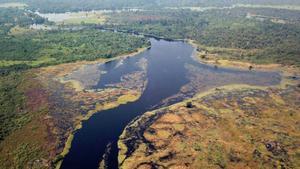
75, 18
233, 128
128, 98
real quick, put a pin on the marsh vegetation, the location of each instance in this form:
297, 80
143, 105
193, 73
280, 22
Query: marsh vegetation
58, 69
239, 128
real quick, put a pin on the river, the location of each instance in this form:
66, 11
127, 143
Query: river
167, 72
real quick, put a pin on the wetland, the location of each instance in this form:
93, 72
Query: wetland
139, 84
172, 75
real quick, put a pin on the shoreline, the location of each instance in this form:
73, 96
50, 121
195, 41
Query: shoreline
139, 34
77, 87
242, 65
284, 84
287, 72
137, 126
233, 64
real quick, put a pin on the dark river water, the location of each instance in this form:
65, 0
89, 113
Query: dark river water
166, 72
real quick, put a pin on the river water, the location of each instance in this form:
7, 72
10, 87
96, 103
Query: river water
167, 72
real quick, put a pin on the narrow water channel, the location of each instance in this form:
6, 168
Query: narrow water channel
166, 73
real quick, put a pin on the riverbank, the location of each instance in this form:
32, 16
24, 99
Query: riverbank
149, 138
204, 56
71, 67
112, 97
237, 125
79, 126
47, 112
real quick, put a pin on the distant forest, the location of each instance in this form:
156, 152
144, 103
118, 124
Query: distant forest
256, 33
77, 5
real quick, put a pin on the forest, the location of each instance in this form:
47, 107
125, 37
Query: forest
23, 48
252, 30
78, 5
41, 48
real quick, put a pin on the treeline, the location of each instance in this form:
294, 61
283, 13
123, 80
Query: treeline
78, 5
13, 16
10, 17
226, 28
41, 48
223, 28
23, 48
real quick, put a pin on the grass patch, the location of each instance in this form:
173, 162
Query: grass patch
59, 159
127, 98
87, 18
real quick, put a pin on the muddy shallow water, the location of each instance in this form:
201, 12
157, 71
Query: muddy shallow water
172, 75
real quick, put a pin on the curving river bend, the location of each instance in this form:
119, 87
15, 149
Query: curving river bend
167, 73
